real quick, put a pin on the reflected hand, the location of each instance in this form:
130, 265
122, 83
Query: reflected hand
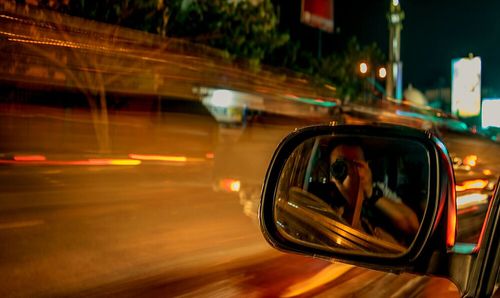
365, 175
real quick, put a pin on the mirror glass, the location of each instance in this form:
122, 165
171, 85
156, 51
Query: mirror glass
353, 194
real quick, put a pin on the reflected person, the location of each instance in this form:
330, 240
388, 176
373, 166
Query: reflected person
350, 172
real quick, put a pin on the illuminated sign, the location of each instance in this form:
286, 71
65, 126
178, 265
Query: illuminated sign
466, 87
318, 14
490, 112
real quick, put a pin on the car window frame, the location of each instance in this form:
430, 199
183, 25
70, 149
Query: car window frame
483, 277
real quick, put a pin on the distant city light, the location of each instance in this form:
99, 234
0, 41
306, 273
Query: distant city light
470, 160
235, 186
472, 184
230, 185
490, 111
470, 200
466, 87
222, 98
363, 68
382, 72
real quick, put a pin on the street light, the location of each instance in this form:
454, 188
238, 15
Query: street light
382, 72
369, 75
363, 68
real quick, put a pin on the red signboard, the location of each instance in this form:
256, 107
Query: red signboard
318, 14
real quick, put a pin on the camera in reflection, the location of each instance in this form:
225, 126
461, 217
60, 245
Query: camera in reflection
339, 169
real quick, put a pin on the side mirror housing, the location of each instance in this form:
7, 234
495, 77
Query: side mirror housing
381, 197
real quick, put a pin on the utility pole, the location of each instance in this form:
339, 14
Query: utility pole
394, 82
320, 45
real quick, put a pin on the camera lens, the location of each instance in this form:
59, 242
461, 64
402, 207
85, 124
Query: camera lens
338, 170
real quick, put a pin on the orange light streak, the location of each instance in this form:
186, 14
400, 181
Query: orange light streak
151, 157
472, 184
89, 162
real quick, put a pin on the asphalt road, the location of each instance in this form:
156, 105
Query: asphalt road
163, 227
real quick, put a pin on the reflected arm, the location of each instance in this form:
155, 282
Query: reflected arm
401, 215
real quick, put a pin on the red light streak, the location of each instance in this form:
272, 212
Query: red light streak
230, 185
29, 158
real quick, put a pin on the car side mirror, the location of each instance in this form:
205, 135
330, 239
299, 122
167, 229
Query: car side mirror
376, 196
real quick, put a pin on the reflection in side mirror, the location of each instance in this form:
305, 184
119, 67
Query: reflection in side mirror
364, 194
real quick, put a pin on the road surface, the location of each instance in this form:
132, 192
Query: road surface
77, 221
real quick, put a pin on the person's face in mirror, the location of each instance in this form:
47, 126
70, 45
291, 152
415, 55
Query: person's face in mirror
358, 178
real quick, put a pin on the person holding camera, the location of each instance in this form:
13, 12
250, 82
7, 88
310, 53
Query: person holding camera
366, 199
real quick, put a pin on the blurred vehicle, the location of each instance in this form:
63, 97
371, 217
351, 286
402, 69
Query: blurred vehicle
98, 72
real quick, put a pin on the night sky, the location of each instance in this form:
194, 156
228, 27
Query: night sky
434, 33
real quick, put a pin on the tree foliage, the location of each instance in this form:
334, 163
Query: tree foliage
342, 69
143, 15
243, 29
